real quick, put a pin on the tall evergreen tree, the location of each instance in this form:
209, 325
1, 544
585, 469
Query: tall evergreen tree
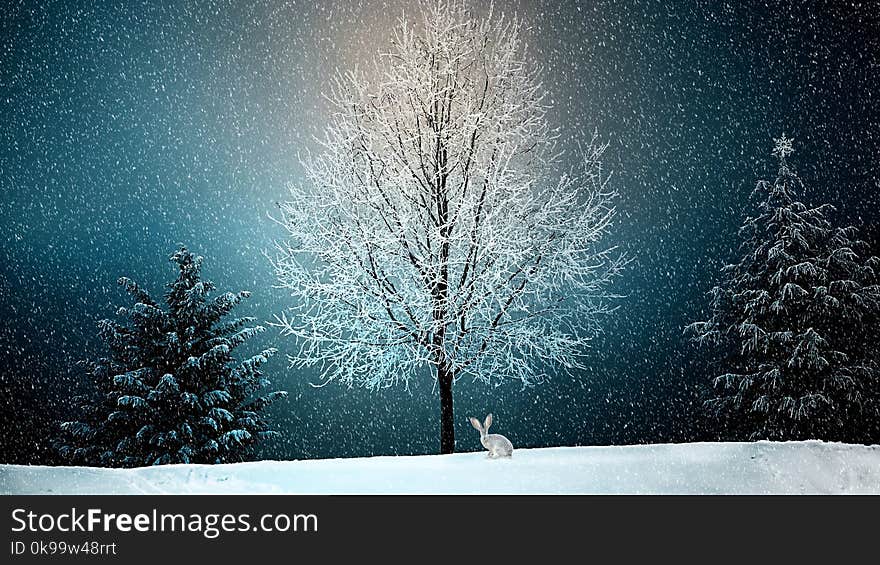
794, 322
170, 390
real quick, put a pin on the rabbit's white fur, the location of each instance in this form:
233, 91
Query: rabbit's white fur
497, 444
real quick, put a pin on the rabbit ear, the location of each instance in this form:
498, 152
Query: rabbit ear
488, 422
476, 424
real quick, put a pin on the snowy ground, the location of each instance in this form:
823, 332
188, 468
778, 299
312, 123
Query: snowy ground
726, 468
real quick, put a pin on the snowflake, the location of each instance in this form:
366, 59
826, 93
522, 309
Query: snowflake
782, 147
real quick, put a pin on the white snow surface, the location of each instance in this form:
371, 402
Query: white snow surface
694, 468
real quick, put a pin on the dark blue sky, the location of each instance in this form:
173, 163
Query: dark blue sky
128, 128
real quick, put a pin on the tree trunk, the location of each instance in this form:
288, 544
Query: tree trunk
447, 423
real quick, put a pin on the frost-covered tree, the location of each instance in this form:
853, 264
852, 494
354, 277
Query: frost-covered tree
437, 234
794, 321
170, 390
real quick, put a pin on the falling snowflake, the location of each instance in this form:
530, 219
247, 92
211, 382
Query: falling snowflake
782, 146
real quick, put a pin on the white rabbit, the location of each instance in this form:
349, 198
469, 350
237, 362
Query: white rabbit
497, 444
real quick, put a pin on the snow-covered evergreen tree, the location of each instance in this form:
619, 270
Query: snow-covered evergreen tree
795, 321
170, 390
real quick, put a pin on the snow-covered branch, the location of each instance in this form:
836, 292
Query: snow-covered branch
436, 225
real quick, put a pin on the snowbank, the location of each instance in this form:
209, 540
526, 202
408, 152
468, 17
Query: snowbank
699, 468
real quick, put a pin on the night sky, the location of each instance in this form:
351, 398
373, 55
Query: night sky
129, 128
